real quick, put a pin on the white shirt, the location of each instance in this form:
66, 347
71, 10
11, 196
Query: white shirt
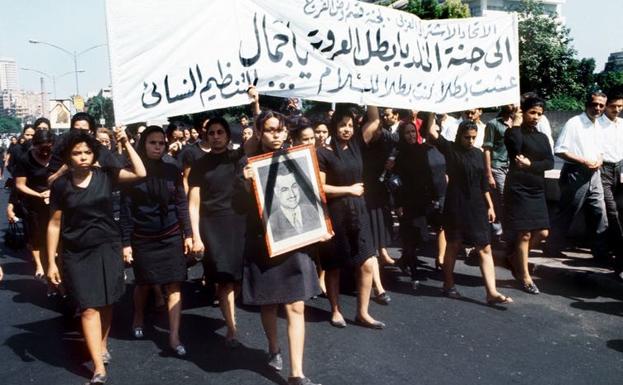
294, 217
580, 137
450, 132
394, 127
544, 127
612, 138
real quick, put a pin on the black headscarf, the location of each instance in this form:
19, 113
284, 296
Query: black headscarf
156, 181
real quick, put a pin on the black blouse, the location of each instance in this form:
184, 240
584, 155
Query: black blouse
533, 145
87, 218
156, 204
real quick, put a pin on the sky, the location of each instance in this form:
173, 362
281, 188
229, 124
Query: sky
78, 25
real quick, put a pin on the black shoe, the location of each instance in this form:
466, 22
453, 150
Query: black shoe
340, 324
106, 358
300, 381
382, 299
97, 379
451, 293
275, 361
530, 288
377, 325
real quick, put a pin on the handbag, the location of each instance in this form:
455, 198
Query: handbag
14, 236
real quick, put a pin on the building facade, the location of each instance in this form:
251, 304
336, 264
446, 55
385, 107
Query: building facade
8, 74
615, 61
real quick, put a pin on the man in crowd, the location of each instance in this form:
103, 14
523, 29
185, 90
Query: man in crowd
611, 172
474, 115
580, 146
391, 119
496, 159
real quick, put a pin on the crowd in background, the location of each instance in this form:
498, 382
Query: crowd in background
162, 198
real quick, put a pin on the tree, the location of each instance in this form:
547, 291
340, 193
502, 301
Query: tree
610, 81
546, 58
432, 9
10, 124
101, 107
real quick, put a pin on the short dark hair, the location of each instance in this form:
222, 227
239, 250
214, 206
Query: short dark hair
614, 96
76, 138
219, 120
42, 120
594, 94
337, 117
27, 126
42, 137
466, 125
79, 116
264, 116
532, 101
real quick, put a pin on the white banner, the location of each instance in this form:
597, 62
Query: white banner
185, 56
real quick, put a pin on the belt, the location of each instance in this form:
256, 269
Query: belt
611, 164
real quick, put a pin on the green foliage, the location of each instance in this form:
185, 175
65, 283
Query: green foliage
563, 103
610, 82
10, 124
547, 65
432, 9
101, 107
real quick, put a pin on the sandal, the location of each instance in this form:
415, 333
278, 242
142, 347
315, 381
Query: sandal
137, 332
451, 293
499, 300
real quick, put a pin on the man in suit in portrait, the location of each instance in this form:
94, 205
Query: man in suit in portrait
290, 216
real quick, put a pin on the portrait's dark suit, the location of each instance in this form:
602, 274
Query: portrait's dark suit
283, 229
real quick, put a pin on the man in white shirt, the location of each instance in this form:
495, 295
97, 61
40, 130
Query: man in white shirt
391, 119
611, 172
579, 145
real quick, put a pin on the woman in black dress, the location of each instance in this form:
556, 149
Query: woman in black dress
468, 209
31, 180
289, 279
419, 200
156, 232
217, 218
341, 173
80, 199
530, 155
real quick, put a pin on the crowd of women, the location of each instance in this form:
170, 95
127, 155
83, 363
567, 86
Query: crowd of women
189, 196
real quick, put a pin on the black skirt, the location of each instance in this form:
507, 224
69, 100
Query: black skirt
352, 243
286, 278
94, 275
223, 238
158, 261
381, 226
525, 207
37, 218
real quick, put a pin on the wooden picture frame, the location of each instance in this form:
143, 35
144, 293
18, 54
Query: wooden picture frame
290, 199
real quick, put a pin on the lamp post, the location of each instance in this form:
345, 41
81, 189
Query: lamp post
74, 55
52, 77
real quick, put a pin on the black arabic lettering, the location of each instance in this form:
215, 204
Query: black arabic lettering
182, 96
154, 93
249, 61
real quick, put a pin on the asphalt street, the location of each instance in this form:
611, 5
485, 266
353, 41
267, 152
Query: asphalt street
570, 334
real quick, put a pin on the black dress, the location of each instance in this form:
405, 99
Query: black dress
465, 209
222, 213
283, 279
37, 211
353, 242
90, 238
524, 192
376, 195
154, 220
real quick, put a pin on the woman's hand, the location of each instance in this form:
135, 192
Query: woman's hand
45, 195
491, 215
53, 274
248, 172
197, 247
356, 189
188, 245
10, 214
400, 212
127, 255
254, 96
522, 161
518, 118
120, 135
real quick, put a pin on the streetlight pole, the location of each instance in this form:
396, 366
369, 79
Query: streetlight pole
73, 54
53, 77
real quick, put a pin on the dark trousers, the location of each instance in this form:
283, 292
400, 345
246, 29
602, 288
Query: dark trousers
580, 188
611, 181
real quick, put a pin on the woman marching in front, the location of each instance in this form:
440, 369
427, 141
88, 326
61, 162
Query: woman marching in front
218, 219
468, 207
341, 173
530, 155
287, 279
157, 233
81, 215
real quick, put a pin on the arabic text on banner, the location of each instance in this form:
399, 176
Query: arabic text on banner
170, 58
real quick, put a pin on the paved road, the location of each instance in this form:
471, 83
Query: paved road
570, 334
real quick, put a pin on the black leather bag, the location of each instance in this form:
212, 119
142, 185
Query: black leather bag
14, 236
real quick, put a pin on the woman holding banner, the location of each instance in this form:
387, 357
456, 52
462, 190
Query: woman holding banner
341, 173
81, 214
288, 279
468, 209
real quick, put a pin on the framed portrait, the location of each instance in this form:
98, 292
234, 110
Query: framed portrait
290, 199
